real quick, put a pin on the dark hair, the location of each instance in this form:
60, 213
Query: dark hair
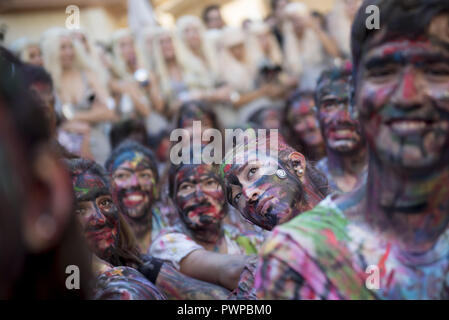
127, 252
208, 9
189, 107
273, 4
129, 145
31, 275
25, 108
35, 74
123, 130
398, 18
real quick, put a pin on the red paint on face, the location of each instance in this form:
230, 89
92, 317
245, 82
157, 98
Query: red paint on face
199, 196
403, 102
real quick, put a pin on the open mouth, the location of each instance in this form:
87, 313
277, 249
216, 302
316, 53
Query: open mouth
133, 199
412, 126
342, 133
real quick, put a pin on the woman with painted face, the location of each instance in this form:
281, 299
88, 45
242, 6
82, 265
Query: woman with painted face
301, 126
271, 189
134, 175
201, 245
123, 271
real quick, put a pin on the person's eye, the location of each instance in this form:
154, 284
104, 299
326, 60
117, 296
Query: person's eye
106, 203
252, 172
437, 71
210, 182
382, 72
185, 187
237, 197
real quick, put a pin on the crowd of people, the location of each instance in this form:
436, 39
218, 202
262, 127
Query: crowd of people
355, 177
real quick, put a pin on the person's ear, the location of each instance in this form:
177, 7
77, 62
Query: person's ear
298, 163
50, 204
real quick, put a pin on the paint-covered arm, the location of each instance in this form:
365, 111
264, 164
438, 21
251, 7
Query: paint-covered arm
177, 286
221, 269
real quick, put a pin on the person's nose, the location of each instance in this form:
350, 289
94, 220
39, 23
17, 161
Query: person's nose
408, 93
199, 193
97, 217
252, 194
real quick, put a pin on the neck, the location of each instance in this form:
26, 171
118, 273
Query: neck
341, 164
411, 210
208, 237
142, 231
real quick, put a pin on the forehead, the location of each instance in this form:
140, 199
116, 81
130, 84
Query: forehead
131, 159
303, 105
86, 184
190, 172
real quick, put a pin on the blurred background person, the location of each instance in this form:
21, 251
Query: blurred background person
27, 51
212, 17
307, 47
339, 22
81, 99
135, 87
301, 126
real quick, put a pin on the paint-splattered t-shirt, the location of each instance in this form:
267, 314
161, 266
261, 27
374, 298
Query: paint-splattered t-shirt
125, 283
323, 255
175, 243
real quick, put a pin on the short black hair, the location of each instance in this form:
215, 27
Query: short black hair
208, 9
189, 107
122, 130
398, 18
130, 145
79, 167
35, 74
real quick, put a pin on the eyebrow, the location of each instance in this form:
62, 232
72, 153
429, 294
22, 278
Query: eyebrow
402, 58
93, 194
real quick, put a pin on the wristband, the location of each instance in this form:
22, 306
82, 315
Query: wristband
150, 269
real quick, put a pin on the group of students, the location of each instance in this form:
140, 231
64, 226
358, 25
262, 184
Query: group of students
357, 180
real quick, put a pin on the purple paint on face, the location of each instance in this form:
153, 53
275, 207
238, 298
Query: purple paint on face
403, 102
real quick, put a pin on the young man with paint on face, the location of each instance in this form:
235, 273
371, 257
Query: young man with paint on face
134, 178
346, 161
202, 245
391, 234
301, 125
124, 272
270, 188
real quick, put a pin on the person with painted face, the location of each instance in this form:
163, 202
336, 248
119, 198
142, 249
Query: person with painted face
301, 125
134, 175
346, 161
396, 224
202, 245
123, 271
270, 188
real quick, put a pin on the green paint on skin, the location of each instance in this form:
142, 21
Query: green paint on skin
327, 230
79, 189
